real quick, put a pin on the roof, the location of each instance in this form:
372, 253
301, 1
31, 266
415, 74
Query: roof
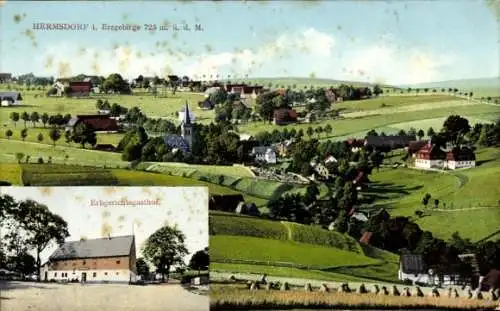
176, 141
393, 140
415, 146
10, 94
412, 264
262, 149
99, 122
103, 247
461, 154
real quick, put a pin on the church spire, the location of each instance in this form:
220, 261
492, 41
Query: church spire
187, 118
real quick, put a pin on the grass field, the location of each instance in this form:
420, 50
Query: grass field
464, 195
293, 250
180, 168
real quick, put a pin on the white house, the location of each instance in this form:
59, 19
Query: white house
10, 98
266, 154
104, 260
431, 156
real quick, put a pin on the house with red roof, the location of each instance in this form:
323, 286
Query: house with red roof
432, 156
284, 116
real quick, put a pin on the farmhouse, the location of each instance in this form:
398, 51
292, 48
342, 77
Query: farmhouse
99, 122
415, 146
412, 267
80, 88
8, 98
284, 116
431, 156
266, 154
355, 144
284, 148
105, 260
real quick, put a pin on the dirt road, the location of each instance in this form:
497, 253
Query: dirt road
21, 296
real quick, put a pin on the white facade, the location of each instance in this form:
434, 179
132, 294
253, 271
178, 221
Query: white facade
428, 279
452, 165
443, 164
90, 275
6, 103
269, 156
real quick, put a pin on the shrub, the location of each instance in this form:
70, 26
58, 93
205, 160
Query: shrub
40, 160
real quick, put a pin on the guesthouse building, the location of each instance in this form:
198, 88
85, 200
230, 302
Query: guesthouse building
104, 260
99, 123
264, 154
10, 98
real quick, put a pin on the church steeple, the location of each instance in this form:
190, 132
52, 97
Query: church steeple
187, 127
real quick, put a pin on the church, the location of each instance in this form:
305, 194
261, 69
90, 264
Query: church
183, 142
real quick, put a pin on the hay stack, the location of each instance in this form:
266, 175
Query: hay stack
254, 286
383, 291
492, 296
308, 287
468, 292
344, 288
477, 295
263, 280
285, 286
395, 291
362, 289
269, 286
376, 289
324, 289
249, 284
418, 292
434, 292
406, 292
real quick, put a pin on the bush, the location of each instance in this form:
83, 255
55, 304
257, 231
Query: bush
40, 160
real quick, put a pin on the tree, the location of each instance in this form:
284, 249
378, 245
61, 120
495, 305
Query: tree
40, 137
328, 129
310, 131
23, 263
430, 132
19, 157
436, 203
455, 127
25, 117
45, 119
14, 116
67, 137
142, 268
165, 248
41, 226
54, 135
420, 134
9, 134
24, 133
82, 134
34, 117
426, 199
412, 132
377, 90
200, 260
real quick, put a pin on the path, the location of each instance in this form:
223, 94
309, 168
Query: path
289, 230
105, 297
464, 209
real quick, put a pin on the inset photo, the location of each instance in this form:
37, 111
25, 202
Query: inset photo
104, 248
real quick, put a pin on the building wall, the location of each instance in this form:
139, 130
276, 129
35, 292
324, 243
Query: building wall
460, 164
92, 275
92, 263
270, 157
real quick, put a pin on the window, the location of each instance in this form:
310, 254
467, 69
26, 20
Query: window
105, 273
55, 274
117, 273
117, 262
84, 262
94, 274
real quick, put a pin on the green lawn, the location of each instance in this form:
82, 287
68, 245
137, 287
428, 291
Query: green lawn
33, 132
276, 252
470, 194
180, 168
152, 106
11, 173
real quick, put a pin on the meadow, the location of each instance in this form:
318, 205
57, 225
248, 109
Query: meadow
293, 250
463, 195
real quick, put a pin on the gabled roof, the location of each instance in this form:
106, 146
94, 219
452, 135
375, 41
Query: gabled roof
176, 141
10, 94
460, 154
104, 247
412, 264
262, 149
393, 140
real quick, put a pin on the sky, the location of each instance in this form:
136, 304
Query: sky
394, 42
186, 207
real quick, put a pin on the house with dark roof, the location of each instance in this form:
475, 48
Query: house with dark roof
80, 88
432, 156
98, 122
413, 268
415, 146
104, 260
284, 116
10, 98
389, 142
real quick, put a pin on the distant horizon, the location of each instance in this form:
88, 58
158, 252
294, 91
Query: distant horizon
404, 42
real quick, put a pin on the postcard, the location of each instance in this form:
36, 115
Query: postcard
105, 248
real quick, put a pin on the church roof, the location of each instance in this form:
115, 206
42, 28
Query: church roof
187, 118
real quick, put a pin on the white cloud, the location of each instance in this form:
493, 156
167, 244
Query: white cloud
296, 53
